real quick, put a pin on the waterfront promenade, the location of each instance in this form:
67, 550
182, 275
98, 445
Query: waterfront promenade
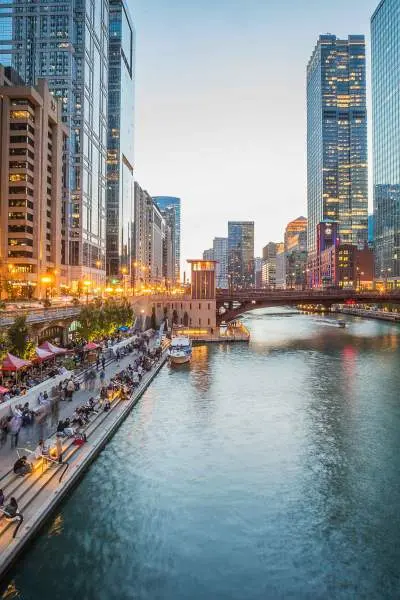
40, 492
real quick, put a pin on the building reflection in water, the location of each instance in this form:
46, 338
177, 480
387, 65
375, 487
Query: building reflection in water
200, 368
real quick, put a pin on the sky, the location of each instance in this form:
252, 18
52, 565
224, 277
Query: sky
221, 107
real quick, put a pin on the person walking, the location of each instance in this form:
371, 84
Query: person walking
97, 362
103, 362
59, 448
70, 389
15, 427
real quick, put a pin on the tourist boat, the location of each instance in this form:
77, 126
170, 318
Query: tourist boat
180, 350
332, 322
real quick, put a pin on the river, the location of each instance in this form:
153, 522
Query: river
262, 471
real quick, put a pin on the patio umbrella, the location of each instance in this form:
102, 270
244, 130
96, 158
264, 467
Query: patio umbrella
91, 346
13, 363
43, 355
3, 390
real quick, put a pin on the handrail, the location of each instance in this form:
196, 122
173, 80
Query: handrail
18, 516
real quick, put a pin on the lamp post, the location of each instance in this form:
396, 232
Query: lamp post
87, 285
46, 280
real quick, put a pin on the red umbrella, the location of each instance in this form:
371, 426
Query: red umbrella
51, 348
13, 363
91, 346
3, 390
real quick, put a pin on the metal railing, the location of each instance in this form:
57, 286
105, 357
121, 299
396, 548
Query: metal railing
42, 315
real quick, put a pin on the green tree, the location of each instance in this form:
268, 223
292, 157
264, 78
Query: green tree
19, 341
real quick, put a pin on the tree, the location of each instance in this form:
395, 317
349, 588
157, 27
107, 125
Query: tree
19, 341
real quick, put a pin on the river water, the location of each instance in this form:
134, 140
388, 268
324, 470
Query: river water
262, 471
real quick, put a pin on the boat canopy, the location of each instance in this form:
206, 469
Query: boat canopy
180, 341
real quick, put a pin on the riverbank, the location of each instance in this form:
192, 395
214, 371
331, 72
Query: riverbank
369, 314
40, 493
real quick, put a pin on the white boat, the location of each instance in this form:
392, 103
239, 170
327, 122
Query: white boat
180, 350
332, 322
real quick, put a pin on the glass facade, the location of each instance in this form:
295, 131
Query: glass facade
241, 253
66, 42
121, 120
337, 165
220, 252
385, 29
170, 202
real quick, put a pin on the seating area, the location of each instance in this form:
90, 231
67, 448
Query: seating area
52, 458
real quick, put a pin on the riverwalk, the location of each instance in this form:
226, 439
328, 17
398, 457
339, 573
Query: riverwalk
40, 492
393, 317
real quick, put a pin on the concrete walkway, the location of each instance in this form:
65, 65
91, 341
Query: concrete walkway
31, 434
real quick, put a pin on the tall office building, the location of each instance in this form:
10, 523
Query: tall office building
171, 203
337, 168
66, 42
208, 254
220, 249
296, 253
385, 29
268, 268
32, 138
241, 253
149, 233
120, 160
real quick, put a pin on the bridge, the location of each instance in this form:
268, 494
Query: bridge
237, 302
44, 322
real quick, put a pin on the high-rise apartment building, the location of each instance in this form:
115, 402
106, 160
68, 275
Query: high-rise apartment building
165, 203
337, 168
149, 235
66, 42
241, 253
33, 138
268, 268
296, 253
120, 160
220, 253
385, 30
208, 254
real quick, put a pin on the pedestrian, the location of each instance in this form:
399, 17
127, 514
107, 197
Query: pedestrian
1, 498
70, 389
59, 448
102, 377
97, 362
103, 362
14, 428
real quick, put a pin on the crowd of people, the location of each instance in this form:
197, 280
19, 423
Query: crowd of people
122, 384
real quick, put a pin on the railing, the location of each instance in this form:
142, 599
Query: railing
40, 315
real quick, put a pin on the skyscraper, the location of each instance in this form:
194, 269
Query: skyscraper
337, 169
170, 202
385, 30
241, 253
220, 248
121, 111
67, 43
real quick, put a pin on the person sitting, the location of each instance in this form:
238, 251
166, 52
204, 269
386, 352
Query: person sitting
1, 498
68, 430
107, 405
22, 466
11, 509
61, 428
41, 449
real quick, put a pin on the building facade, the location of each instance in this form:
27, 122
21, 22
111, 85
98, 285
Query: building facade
296, 253
385, 33
208, 254
33, 138
268, 268
241, 253
67, 43
120, 142
171, 203
337, 158
280, 266
220, 254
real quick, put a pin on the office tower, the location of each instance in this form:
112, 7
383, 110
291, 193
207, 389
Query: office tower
296, 253
258, 262
280, 262
172, 203
241, 253
385, 30
208, 254
31, 180
337, 169
67, 43
268, 268
220, 248
120, 161
149, 232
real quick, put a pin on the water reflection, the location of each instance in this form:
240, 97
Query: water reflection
262, 471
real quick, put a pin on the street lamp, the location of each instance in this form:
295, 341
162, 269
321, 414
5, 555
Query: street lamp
87, 285
46, 280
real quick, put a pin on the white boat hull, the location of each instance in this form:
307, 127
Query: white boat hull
179, 360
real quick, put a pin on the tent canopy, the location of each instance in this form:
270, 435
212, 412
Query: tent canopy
51, 348
43, 355
13, 363
3, 390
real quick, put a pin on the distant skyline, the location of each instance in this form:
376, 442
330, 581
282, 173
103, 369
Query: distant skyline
221, 107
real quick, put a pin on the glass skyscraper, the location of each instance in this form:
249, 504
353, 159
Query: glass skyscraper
241, 253
385, 29
171, 203
337, 169
120, 163
66, 42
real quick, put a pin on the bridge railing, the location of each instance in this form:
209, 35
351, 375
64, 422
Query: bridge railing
40, 315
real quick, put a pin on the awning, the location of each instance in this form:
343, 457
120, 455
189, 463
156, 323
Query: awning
13, 363
51, 348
